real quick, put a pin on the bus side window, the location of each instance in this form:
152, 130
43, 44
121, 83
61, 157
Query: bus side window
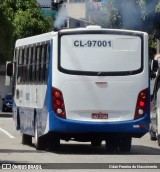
20, 67
47, 61
16, 55
25, 62
42, 64
29, 65
38, 63
34, 64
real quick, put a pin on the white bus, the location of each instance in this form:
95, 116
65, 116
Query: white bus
87, 84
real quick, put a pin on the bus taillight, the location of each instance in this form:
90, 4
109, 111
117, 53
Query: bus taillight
141, 106
58, 103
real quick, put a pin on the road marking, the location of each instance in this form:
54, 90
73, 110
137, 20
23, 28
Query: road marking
8, 134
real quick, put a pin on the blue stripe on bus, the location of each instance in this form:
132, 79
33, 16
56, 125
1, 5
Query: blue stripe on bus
68, 126
48, 98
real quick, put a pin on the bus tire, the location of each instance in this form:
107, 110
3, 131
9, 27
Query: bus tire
125, 144
112, 145
26, 139
153, 136
54, 142
40, 142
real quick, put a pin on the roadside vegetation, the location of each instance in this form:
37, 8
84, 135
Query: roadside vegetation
21, 19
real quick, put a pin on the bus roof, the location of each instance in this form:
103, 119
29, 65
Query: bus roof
48, 36
97, 27
35, 39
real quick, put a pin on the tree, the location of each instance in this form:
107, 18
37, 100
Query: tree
25, 18
30, 22
141, 15
129, 14
105, 16
6, 37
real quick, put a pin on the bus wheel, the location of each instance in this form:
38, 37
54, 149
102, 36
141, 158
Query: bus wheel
26, 139
153, 136
125, 144
40, 142
54, 142
96, 142
112, 144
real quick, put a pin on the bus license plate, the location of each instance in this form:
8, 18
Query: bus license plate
99, 116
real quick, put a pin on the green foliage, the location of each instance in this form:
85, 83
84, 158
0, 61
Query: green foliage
112, 15
141, 15
30, 22
153, 43
6, 37
132, 14
20, 19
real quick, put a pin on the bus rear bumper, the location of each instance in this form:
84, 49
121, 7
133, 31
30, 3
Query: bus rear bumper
134, 128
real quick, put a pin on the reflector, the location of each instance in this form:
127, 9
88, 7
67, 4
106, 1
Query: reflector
57, 94
58, 102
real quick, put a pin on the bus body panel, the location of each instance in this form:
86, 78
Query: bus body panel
95, 95
85, 95
134, 128
32, 99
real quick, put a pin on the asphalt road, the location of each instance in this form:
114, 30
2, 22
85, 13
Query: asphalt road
12, 151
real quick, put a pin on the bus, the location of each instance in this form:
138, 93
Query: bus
86, 84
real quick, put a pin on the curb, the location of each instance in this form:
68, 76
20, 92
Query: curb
6, 115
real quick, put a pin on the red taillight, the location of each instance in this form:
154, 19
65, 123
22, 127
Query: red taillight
141, 106
58, 103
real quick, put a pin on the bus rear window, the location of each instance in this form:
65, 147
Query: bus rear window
94, 53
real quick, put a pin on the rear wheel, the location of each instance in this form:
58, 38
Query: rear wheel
26, 139
125, 144
40, 142
54, 142
153, 136
112, 144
